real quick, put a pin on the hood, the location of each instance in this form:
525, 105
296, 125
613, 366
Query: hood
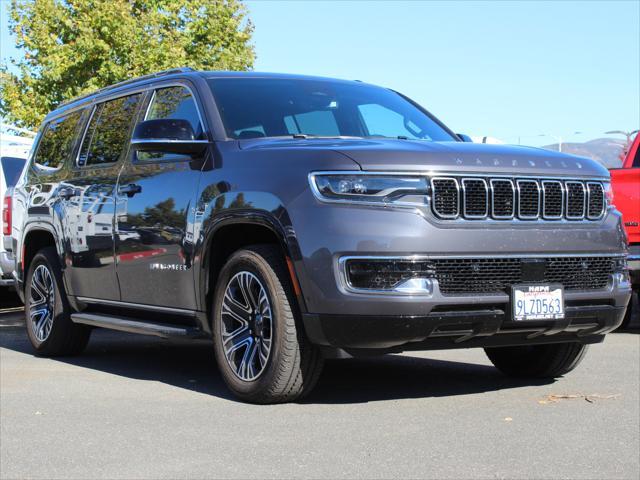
424, 156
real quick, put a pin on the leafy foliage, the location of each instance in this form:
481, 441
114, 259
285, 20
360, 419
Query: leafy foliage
75, 46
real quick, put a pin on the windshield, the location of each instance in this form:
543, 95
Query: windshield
272, 107
12, 168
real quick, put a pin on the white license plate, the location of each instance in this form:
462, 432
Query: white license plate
537, 302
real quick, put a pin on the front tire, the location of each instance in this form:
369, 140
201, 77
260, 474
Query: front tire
260, 347
48, 321
537, 361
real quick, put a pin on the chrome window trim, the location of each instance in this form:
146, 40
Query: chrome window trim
604, 201
513, 199
544, 197
528, 180
584, 200
464, 199
433, 203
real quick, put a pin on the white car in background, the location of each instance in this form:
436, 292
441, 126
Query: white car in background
15, 144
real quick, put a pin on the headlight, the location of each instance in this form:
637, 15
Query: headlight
367, 188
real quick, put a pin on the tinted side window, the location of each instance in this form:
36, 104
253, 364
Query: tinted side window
176, 103
173, 103
108, 131
56, 142
636, 159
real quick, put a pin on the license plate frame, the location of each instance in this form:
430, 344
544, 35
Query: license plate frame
538, 293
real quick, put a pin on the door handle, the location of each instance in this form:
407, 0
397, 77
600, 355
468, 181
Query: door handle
129, 190
67, 192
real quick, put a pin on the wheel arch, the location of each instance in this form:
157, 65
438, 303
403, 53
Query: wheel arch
233, 233
35, 238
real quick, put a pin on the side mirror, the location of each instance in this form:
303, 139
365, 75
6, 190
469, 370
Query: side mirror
166, 135
464, 138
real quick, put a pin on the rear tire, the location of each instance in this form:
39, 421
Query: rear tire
537, 361
261, 349
47, 311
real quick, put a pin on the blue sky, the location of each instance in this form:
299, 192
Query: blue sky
503, 69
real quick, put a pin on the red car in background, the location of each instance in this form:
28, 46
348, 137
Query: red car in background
625, 183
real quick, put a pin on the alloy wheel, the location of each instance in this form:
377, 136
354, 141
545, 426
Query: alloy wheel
246, 326
41, 302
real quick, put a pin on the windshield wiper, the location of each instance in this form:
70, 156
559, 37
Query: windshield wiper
304, 136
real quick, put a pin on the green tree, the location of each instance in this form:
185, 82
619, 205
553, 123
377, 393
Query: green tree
75, 46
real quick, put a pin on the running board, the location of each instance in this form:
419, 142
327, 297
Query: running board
131, 325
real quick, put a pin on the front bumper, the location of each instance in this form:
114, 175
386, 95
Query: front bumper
336, 316
479, 327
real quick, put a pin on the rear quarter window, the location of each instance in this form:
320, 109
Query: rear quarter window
57, 141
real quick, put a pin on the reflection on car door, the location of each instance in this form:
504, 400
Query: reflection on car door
156, 193
89, 200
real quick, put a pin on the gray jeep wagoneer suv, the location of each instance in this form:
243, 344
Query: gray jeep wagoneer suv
293, 219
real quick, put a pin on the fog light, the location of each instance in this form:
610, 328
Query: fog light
408, 277
415, 286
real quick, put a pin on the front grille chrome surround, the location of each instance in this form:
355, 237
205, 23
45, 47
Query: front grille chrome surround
552, 200
596, 203
476, 197
528, 199
446, 197
503, 195
575, 203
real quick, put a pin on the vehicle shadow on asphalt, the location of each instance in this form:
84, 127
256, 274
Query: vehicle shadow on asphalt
192, 366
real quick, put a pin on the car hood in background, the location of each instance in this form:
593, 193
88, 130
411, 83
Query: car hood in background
425, 156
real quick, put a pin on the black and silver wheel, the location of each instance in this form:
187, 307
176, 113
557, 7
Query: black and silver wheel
49, 325
42, 298
246, 326
537, 361
261, 350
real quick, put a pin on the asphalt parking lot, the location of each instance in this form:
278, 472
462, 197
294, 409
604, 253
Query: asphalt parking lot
139, 407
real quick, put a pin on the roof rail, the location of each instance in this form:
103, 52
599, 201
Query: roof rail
127, 82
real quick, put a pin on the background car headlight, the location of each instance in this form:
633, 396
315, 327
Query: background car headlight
382, 189
608, 193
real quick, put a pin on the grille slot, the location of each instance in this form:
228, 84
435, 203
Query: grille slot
528, 199
596, 204
497, 275
475, 198
576, 193
446, 197
552, 199
503, 198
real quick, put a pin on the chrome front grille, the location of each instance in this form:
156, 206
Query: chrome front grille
476, 198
